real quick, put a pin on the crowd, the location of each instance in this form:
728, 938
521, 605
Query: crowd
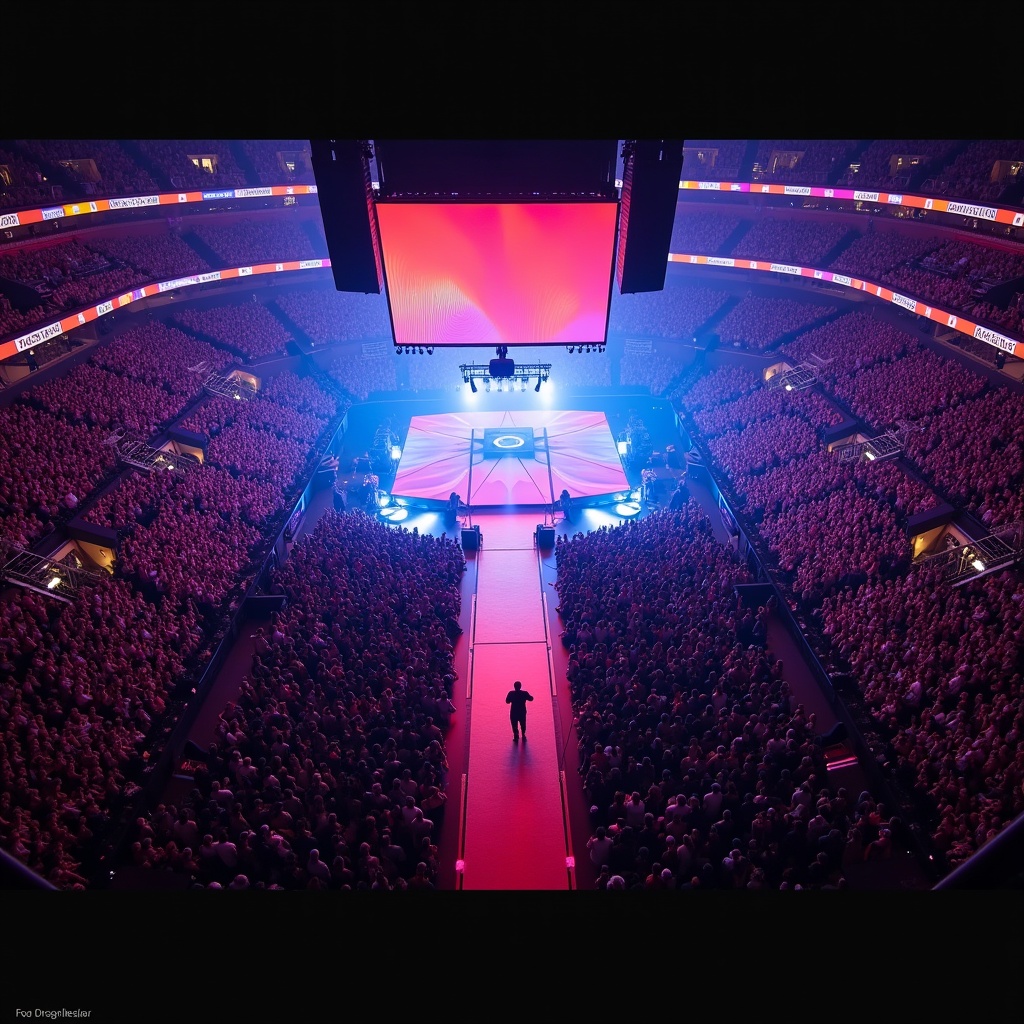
905, 389
700, 767
159, 256
82, 686
656, 369
759, 322
875, 253
98, 397
268, 157
247, 327
329, 771
87, 686
939, 669
788, 240
775, 493
677, 312
192, 163
361, 375
264, 240
24, 183
700, 232
713, 159
973, 453
814, 161
936, 667
218, 414
44, 459
974, 171
97, 167
327, 316
160, 355
853, 343
878, 170
766, 404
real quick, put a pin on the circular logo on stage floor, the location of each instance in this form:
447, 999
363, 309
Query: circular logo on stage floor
508, 441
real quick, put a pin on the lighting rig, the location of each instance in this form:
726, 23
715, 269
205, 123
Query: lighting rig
599, 347
502, 371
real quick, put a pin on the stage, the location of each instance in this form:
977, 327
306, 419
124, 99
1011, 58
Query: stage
522, 458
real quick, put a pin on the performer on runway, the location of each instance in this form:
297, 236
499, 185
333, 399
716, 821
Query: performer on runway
454, 509
565, 502
517, 698
680, 496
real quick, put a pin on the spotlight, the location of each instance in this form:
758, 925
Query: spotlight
472, 385
430, 350
421, 350
572, 348
539, 381
978, 564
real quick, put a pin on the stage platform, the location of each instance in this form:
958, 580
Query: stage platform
511, 458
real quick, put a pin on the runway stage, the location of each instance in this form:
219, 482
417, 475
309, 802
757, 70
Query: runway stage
510, 458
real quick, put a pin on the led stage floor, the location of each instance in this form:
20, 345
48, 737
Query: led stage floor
509, 458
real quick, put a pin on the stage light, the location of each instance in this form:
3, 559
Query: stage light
539, 382
522, 383
488, 387
430, 350
978, 564
396, 452
572, 348
421, 350
472, 385
789, 387
623, 447
54, 582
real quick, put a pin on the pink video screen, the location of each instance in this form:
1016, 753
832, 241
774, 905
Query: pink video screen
498, 273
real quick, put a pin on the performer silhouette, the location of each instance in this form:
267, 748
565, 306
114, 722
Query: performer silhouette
517, 698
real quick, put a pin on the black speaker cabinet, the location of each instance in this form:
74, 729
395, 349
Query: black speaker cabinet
545, 536
471, 539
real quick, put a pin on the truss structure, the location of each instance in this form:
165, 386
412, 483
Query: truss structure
229, 387
964, 562
62, 580
796, 378
143, 456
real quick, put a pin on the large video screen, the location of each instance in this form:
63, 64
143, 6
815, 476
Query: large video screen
498, 273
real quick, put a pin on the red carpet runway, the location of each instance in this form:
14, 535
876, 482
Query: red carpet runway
515, 831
